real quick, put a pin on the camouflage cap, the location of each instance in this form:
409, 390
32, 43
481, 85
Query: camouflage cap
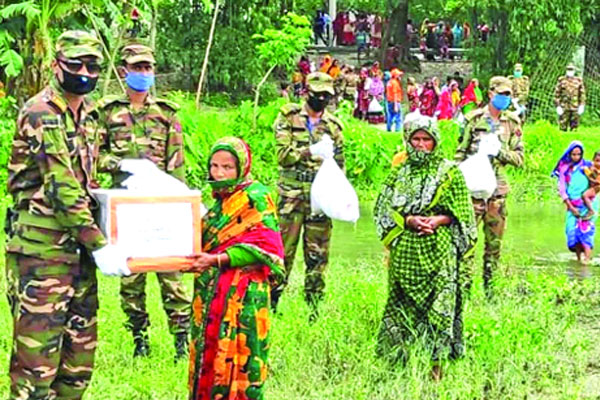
135, 52
500, 84
571, 67
74, 44
518, 67
320, 82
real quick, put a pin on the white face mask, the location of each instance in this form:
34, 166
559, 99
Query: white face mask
570, 74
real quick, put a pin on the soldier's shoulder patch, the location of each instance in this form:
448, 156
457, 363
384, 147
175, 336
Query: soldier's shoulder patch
471, 115
335, 120
110, 100
290, 108
510, 77
171, 105
40, 113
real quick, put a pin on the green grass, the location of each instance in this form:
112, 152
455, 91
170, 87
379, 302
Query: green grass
536, 341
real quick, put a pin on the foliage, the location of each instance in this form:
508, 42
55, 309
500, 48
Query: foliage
281, 47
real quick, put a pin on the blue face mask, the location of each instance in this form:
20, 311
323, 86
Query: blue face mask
518, 74
139, 82
501, 102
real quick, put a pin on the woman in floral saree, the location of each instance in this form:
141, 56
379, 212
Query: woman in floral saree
243, 258
424, 216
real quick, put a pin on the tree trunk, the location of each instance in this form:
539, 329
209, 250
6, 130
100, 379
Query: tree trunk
401, 39
207, 54
387, 35
501, 38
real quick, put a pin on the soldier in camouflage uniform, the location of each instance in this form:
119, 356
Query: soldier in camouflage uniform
569, 98
300, 131
493, 119
135, 126
51, 275
520, 88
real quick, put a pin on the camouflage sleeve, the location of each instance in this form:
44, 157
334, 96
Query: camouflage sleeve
63, 190
107, 162
557, 90
288, 152
338, 142
512, 153
526, 91
582, 97
464, 141
174, 163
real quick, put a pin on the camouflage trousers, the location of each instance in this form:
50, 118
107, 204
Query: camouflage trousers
315, 242
176, 302
569, 120
54, 327
492, 213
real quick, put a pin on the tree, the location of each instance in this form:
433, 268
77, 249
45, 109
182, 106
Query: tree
281, 48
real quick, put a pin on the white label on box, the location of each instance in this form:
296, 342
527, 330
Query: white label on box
155, 229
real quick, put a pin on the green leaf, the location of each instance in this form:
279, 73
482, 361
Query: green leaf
27, 8
12, 62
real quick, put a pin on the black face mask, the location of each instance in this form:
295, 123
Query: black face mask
77, 84
318, 102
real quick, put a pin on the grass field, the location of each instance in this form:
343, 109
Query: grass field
536, 341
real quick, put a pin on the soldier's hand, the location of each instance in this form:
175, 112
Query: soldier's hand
580, 109
324, 148
111, 261
560, 111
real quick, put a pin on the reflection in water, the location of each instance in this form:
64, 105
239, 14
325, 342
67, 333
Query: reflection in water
535, 232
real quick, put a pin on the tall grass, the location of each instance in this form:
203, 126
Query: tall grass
536, 341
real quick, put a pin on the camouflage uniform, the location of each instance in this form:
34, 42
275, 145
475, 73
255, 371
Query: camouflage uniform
569, 94
52, 278
520, 88
492, 211
297, 169
152, 132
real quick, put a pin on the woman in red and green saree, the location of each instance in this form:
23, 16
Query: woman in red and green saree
243, 257
424, 216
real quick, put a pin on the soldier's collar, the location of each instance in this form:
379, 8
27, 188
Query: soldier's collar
57, 95
149, 100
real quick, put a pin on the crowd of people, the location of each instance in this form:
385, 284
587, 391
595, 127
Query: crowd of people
382, 96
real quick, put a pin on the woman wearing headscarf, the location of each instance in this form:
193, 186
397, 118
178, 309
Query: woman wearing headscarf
334, 69
472, 97
362, 97
326, 64
428, 99
376, 113
424, 217
412, 94
446, 106
580, 226
243, 257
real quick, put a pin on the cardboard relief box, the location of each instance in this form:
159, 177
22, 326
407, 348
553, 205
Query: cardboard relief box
159, 233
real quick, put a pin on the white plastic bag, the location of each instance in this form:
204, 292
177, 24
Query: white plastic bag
146, 176
375, 106
332, 194
479, 175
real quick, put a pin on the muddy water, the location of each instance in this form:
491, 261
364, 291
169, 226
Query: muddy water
535, 234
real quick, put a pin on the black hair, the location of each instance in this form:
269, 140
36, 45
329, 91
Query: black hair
596, 154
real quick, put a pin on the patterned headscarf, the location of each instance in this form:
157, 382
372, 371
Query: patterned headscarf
565, 159
416, 122
241, 152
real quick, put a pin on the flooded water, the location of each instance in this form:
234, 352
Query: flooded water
535, 234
